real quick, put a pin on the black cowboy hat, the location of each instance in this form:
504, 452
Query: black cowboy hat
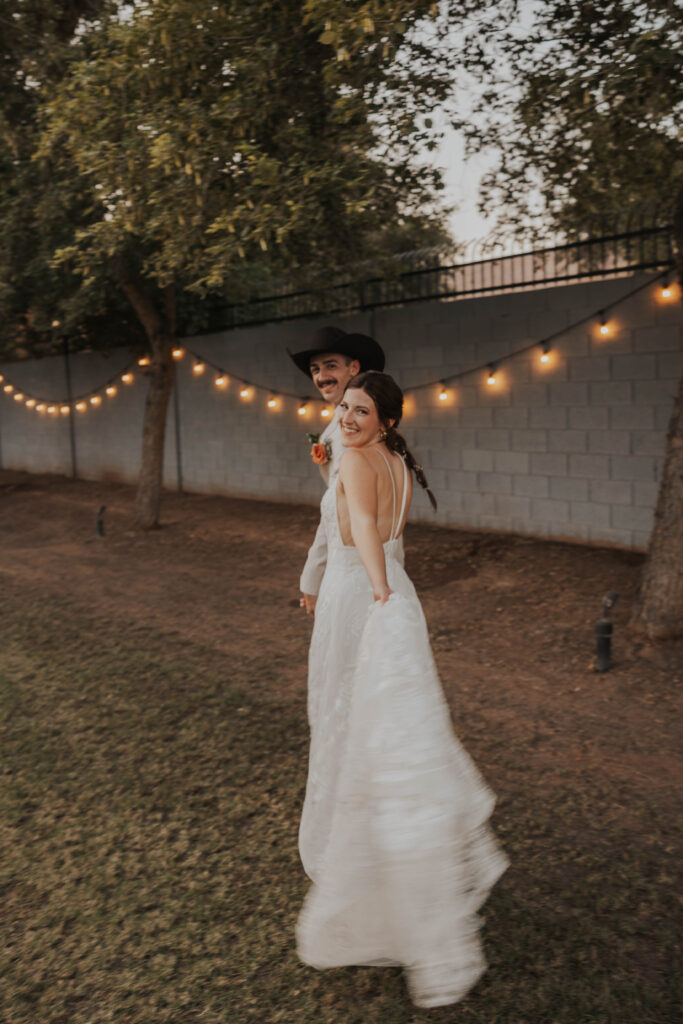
332, 339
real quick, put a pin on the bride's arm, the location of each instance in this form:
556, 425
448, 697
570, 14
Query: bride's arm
359, 482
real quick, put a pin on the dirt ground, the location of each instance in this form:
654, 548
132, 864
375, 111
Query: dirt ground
511, 618
154, 740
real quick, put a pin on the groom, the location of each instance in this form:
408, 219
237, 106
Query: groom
331, 362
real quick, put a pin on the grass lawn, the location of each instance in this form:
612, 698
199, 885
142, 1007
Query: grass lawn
149, 802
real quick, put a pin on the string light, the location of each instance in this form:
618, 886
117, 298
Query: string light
604, 329
409, 406
669, 291
665, 292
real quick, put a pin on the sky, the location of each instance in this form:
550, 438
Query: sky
462, 179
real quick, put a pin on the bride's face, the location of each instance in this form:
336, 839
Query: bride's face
359, 420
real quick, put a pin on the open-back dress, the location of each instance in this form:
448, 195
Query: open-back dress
394, 833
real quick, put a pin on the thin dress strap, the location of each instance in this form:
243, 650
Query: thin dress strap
393, 490
405, 494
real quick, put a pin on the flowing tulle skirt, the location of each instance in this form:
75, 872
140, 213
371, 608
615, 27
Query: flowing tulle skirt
393, 833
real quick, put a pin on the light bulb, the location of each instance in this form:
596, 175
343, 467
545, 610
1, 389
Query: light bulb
96, 400
65, 410
40, 407
491, 379
111, 390
604, 329
198, 369
81, 406
303, 409
127, 378
1, 378
221, 381
52, 409
325, 413
272, 403
30, 403
178, 353
9, 388
144, 361
18, 397
244, 392
443, 394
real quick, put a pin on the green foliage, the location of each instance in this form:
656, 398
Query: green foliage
212, 146
585, 106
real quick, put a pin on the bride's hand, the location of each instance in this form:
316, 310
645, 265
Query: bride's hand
382, 595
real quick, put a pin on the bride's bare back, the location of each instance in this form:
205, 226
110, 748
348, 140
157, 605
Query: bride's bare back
387, 466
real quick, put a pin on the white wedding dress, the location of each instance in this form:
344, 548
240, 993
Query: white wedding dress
393, 834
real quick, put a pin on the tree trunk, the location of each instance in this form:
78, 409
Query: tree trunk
160, 332
658, 609
161, 376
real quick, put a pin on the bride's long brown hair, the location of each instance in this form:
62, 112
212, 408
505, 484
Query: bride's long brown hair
388, 399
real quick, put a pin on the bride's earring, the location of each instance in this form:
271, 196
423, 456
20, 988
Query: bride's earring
382, 435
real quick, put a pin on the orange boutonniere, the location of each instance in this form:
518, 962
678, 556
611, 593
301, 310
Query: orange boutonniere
321, 451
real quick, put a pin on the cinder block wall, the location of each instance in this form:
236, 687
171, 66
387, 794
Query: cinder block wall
570, 449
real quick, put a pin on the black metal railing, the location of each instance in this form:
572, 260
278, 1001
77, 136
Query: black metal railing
437, 274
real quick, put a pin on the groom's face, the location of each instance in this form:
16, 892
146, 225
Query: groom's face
331, 372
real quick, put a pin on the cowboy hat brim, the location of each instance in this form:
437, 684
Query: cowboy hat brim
355, 346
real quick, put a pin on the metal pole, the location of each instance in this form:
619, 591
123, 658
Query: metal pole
72, 427
176, 421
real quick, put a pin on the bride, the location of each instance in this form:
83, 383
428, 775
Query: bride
393, 833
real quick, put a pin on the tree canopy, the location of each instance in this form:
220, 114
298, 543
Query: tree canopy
209, 146
583, 102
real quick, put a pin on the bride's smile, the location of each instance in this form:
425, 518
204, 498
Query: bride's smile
359, 421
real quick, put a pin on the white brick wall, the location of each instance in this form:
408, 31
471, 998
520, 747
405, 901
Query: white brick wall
570, 450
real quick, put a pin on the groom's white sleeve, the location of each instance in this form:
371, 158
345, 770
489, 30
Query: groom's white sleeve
314, 569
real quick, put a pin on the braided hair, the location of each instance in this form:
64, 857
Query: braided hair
388, 399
